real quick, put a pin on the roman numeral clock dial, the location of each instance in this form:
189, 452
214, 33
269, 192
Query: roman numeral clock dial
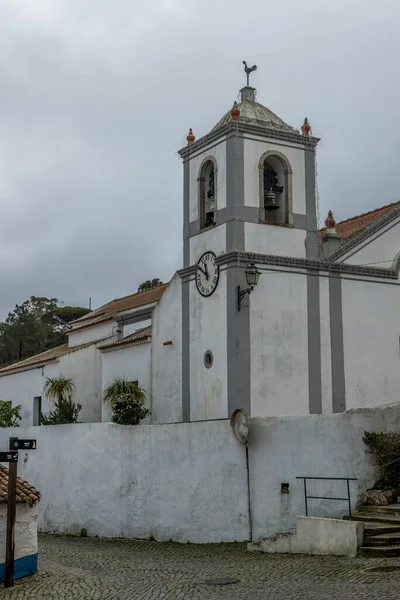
207, 274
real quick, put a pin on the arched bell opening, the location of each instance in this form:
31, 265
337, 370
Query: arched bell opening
207, 182
275, 188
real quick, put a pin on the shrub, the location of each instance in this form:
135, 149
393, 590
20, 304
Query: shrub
384, 447
126, 411
9, 415
65, 411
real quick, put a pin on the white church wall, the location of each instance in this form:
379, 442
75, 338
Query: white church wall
131, 362
261, 238
219, 153
91, 334
21, 388
380, 250
208, 387
167, 360
187, 481
279, 345
371, 314
84, 366
253, 150
213, 240
326, 366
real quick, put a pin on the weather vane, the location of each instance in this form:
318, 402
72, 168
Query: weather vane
249, 70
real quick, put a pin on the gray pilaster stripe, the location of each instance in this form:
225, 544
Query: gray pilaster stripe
186, 199
311, 208
238, 323
337, 347
186, 253
314, 344
185, 353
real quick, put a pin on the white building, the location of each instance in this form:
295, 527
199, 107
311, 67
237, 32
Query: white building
318, 333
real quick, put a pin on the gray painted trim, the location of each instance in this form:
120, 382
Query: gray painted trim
314, 344
248, 214
337, 346
185, 353
311, 205
387, 218
186, 253
243, 258
253, 129
142, 315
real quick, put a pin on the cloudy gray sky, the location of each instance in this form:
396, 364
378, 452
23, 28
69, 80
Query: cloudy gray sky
97, 96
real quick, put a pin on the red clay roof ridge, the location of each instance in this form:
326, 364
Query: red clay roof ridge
369, 212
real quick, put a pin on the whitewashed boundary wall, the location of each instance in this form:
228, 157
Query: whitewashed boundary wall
187, 481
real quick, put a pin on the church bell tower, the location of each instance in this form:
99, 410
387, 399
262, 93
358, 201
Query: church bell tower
249, 191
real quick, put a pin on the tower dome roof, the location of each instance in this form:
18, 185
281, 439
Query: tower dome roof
253, 113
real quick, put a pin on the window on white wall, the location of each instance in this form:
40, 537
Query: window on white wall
37, 410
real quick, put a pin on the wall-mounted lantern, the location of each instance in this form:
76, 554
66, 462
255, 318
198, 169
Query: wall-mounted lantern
252, 275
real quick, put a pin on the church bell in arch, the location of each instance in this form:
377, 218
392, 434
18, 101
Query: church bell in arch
271, 189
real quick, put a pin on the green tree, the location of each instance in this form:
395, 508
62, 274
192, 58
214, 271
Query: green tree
9, 415
60, 391
127, 401
34, 326
149, 284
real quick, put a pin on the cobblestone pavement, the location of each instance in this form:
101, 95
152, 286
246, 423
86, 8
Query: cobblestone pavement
94, 569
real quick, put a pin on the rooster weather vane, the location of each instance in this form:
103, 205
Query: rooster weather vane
249, 70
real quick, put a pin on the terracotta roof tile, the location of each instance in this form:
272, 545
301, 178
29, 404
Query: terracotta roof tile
140, 335
108, 311
26, 493
354, 225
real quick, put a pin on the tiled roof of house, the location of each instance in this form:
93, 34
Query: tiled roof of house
356, 224
43, 358
108, 311
139, 336
26, 493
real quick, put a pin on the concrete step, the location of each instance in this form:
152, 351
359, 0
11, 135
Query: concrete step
376, 528
374, 517
378, 551
382, 539
390, 509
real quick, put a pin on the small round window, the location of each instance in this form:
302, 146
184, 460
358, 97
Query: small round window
208, 359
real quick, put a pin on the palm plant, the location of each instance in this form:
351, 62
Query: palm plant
60, 390
127, 401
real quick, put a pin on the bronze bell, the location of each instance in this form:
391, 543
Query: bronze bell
270, 200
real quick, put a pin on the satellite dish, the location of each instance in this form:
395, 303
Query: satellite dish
240, 425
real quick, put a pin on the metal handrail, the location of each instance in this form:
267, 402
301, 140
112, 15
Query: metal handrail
307, 497
391, 462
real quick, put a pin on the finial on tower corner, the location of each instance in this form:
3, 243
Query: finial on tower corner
235, 112
249, 70
306, 127
190, 137
330, 222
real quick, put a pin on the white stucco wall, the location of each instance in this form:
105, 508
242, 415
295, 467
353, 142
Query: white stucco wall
371, 314
253, 150
208, 387
91, 334
262, 238
187, 481
279, 345
25, 531
132, 327
84, 366
219, 153
21, 388
379, 250
167, 360
213, 240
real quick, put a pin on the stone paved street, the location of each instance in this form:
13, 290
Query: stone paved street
74, 568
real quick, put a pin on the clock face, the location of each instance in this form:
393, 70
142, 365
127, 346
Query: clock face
207, 274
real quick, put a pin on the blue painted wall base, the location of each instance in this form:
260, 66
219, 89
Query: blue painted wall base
27, 565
